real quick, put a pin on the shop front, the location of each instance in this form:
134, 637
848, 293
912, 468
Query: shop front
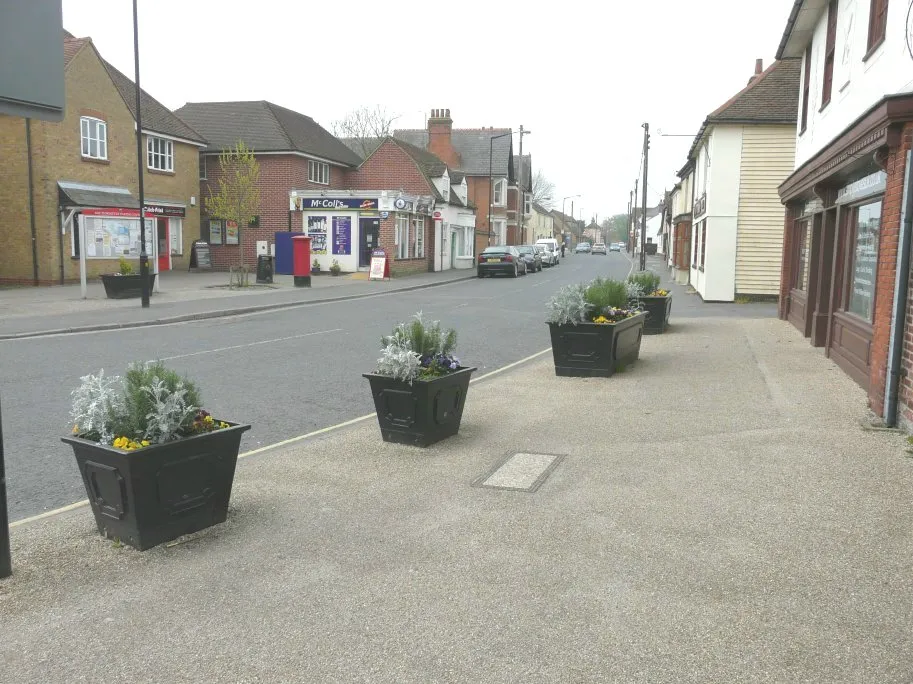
342, 228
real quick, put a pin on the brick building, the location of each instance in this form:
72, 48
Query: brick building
841, 286
294, 153
84, 178
482, 155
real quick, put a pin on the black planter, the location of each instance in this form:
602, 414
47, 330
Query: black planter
596, 350
160, 492
126, 286
658, 310
422, 413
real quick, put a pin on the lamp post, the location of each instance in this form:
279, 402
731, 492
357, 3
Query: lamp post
143, 256
491, 144
6, 565
563, 215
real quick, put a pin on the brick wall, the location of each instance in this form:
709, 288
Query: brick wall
884, 289
389, 168
279, 175
16, 255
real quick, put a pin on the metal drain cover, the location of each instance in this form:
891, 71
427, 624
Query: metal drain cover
521, 472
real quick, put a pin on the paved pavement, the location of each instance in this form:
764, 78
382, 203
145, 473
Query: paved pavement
712, 521
184, 296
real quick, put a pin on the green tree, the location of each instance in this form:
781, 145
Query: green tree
237, 199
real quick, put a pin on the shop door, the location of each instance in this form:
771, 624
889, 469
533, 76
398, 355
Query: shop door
453, 249
369, 229
164, 244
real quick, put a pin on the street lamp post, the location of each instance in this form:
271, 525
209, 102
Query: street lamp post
491, 144
143, 256
563, 215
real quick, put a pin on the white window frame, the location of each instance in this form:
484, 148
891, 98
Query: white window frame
499, 231
203, 169
468, 246
401, 236
159, 154
527, 204
446, 192
318, 172
499, 187
176, 236
418, 229
86, 137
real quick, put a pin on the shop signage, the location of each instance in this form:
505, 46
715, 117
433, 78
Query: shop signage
308, 203
403, 204
317, 231
200, 256
437, 214
151, 211
342, 235
380, 265
423, 208
872, 184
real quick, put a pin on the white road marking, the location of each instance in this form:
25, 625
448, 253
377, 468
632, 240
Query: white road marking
248, 344
285, 442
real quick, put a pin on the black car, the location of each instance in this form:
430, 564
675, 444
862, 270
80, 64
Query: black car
531, 256
502, 259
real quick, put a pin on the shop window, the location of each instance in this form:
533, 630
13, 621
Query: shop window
803, 245
202, 167
806, 87
865, 222
176, 234
159, 153
319, 172
110, 237
703, 242
829, 50
418, 228
215, 232
878, 21
696, 247
498, 194
402, 236
94, 134
467, 249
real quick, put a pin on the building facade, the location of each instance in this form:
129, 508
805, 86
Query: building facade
843, 231
72, 186
741, 154
294, 153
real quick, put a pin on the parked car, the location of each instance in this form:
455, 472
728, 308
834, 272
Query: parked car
552, 251
501, 259
531, 255
615, 247
599, 248
582, 248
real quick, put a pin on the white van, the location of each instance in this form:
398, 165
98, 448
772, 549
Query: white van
552, 250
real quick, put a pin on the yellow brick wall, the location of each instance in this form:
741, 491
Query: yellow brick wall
56, 156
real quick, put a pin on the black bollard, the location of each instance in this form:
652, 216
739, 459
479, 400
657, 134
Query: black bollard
6, 564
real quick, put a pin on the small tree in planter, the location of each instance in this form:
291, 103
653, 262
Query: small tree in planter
335, 268
315, 266
595, 328
655, 301
155, 464
419, 386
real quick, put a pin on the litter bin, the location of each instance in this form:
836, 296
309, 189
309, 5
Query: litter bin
265, 268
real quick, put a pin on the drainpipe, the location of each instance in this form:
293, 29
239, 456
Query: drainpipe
28, 148
901, 283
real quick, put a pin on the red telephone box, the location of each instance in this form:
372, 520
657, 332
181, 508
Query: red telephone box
301, 260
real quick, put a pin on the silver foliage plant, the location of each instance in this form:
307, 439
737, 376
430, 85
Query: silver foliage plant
635, 292
398, 360
97, 402
169, 411
568, 305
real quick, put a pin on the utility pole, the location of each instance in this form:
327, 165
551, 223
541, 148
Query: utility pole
632, 236
522, 200
6, 565
643, 225
630, 216
143, 255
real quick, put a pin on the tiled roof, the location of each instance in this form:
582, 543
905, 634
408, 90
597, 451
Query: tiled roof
456, 177
770, 98
71, 46
265, 127
430, 164
363, 147
473, 148
156, 116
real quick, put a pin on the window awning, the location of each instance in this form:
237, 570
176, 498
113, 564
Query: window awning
73, 194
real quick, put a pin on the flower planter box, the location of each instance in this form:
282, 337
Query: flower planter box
422, 413
596, 350
158, 493
658, 310
126, 286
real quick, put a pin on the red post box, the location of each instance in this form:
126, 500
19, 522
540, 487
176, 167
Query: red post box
301, 260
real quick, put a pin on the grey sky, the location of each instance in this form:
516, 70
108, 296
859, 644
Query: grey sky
582, 76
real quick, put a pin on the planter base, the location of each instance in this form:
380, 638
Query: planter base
422, 413
153, 495
126, 286
658, 310
593, 350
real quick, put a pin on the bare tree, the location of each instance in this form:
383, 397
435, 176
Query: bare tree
365, 125
543, 190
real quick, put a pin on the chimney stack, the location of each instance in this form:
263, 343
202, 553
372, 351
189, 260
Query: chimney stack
440, 126
758, 67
